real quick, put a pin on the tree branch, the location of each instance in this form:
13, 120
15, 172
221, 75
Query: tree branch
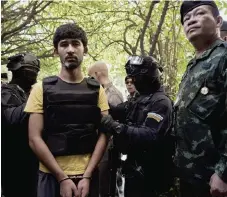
148, 17
155, 38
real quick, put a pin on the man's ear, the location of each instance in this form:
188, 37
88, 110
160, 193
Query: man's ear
85, 50
225, 38
55, 51
219, 21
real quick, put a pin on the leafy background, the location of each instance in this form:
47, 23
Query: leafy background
115, 29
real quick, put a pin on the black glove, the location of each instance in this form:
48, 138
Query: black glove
109, 125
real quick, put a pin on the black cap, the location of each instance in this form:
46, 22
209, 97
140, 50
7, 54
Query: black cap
224, 26
24, 59
187, 6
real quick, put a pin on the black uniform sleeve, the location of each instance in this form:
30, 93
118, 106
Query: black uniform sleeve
118, 112
12, 108
157, 122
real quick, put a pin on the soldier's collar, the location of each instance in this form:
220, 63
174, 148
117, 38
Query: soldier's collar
210, 49
206, 53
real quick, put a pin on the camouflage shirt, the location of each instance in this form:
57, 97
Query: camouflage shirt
201, 116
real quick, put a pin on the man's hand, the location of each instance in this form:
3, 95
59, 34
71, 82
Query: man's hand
108, 124
218, 188
83, 187
69, 189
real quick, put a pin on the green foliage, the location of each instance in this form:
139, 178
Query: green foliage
114, 30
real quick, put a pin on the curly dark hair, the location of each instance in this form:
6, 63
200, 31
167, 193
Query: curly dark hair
128, 77
69, 31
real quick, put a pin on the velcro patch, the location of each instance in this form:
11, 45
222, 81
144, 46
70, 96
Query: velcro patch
155, 116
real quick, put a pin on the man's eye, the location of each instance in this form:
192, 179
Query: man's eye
76, 44
200, 13
64, 44
186, 19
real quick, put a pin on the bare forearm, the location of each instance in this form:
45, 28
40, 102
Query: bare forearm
45, 156
97, 154
39, 147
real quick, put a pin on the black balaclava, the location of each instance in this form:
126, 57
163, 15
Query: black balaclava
146, 76
25, 68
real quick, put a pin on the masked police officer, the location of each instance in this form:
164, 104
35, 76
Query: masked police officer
144, 135
201, 105
19, 165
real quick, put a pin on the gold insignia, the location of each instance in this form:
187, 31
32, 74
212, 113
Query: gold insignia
155, 116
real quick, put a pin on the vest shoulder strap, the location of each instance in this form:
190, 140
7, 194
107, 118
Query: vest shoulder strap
92, 82
50, 80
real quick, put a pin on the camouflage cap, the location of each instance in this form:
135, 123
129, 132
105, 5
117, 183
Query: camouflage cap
187, 6
224, 26
23, 59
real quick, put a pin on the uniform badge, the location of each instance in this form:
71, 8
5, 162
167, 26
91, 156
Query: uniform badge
155, 116
204, 91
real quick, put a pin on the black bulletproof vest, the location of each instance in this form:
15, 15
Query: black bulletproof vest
71, 115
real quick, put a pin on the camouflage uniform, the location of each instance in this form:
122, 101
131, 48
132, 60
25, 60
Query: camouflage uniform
201, 117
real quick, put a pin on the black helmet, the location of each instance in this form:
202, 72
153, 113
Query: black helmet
23, 59
138, 65
146, 73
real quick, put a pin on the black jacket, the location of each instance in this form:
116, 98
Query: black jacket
17, 158
146, 138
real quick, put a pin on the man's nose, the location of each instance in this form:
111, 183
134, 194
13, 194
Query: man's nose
192, 20
70, 49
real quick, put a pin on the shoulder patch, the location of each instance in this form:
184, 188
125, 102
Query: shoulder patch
50, 79
155, 116
93, 82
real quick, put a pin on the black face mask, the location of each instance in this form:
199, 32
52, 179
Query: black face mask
25, 78
146, 85
29, 76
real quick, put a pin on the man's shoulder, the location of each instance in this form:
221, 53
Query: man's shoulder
92, 82
8, 86
50, 79
162, 99
39, 84
37, 88
114, 90
12, 94
222, 47
217, 52
11, 89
